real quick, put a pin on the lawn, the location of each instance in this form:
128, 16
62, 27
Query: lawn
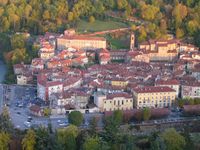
121, 42
98, 25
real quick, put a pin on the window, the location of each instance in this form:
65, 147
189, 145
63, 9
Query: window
122, 102
118, 102
105, 102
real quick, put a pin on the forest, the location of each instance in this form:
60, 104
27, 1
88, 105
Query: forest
112, 136
180, 17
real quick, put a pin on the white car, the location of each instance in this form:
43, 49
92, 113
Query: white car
27, 124
63, 124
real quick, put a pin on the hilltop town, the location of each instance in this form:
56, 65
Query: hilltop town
78, 72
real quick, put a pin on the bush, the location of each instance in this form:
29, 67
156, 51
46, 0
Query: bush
76, 118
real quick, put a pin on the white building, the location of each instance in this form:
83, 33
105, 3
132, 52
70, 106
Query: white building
111, 102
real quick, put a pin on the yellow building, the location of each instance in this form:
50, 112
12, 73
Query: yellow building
161, 50
80, 41
111, 102
119, 82
153, 97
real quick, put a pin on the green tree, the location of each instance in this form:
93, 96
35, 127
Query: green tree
149, 12
112, 124
179, 33
4, 140
118, 117
76, 118
92, 143
197, 38
173, 140
5, 123
93, 126
70, 16
121, 4
146, 113
29, 140
91, 19
142, 34
67, 137
179, 13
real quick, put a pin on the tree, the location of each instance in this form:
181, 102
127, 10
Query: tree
133, 27
142, 34
146, 112
112, 124
67, 137
93, 126
179, 33
149, 12
179, 13
121, 4
4, 140
91, 19
118, 117
192, 27
47, 112
70, 16
92, 143
76, 118
5, 123
197, 38
173, 140
29, 140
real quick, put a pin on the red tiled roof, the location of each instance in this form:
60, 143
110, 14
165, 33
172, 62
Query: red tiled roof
81, 37
153, 89
168, 82
125, 95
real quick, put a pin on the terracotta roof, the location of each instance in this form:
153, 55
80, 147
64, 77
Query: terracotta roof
125, 95
81, 37
167, 82
153, 89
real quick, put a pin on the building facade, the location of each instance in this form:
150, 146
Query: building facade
111, 102
153, 97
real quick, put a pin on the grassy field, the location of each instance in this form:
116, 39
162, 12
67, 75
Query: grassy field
85, 26
121, 42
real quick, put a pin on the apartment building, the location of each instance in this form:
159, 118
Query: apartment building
111, 102
71, 39
153, 97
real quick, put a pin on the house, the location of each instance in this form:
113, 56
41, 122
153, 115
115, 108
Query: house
24, 79
137, 56
104, 56
18, 68
153, 97
37, 64
121, 82
111, 102
59, 101
46, 51
196, 72
45, 88
161, 50
81, 99
118, 55
190, 89
172, 83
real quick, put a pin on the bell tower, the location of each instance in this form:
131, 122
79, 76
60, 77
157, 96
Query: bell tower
132, 41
